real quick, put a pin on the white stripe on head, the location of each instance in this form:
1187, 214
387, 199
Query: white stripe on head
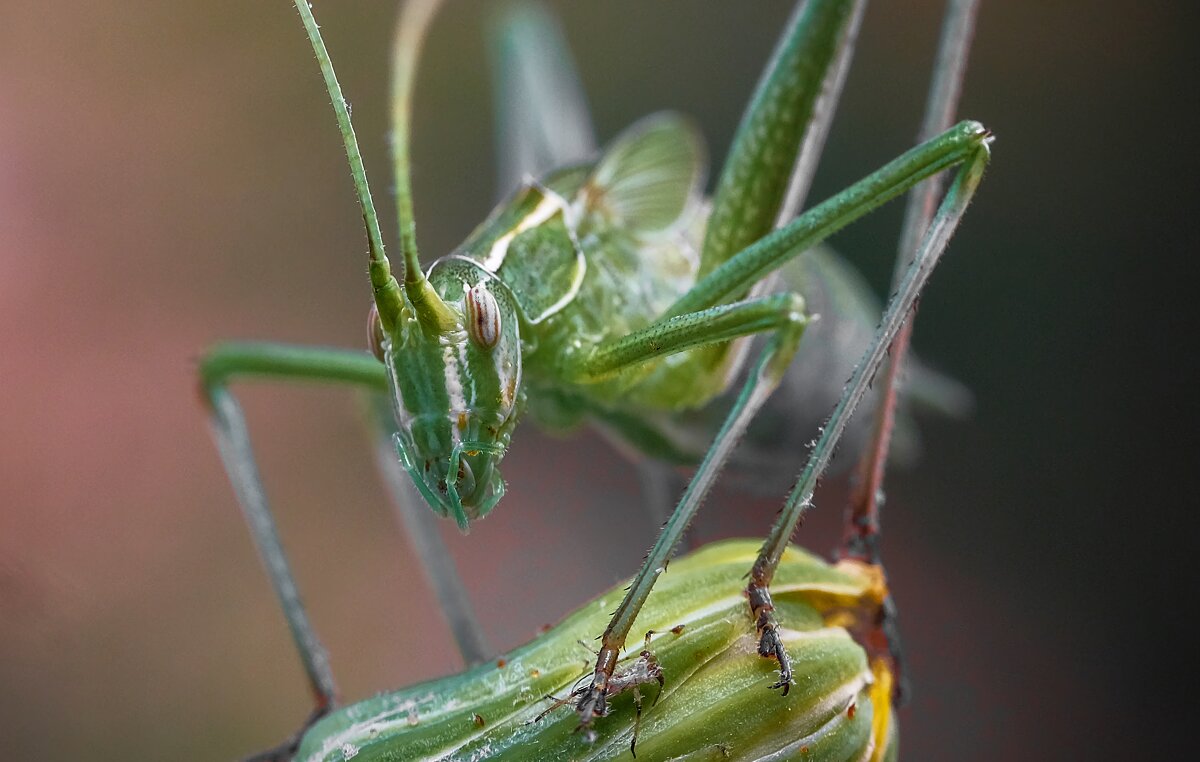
454, 389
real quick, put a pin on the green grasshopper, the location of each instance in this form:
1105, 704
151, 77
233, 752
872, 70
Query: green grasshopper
604, 291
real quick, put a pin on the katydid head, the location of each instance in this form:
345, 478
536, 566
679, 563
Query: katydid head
456, 385
449, 339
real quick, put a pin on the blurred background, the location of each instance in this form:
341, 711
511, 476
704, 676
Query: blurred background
170, 175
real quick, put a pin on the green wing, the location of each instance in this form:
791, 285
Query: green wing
650, 175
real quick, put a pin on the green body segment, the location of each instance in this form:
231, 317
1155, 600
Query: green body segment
712, 706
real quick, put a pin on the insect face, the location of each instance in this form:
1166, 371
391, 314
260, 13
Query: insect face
457, 391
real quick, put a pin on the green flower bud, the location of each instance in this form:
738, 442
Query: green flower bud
714, 704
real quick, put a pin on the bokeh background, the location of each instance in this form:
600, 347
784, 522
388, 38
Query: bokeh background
170, 175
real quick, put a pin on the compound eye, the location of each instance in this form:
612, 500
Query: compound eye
483, 316
375, 333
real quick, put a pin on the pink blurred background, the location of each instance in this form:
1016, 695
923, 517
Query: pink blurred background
170, 175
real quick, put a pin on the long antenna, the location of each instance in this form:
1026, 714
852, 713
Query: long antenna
411, 29
389, 299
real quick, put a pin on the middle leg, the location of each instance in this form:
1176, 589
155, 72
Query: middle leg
764, 378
